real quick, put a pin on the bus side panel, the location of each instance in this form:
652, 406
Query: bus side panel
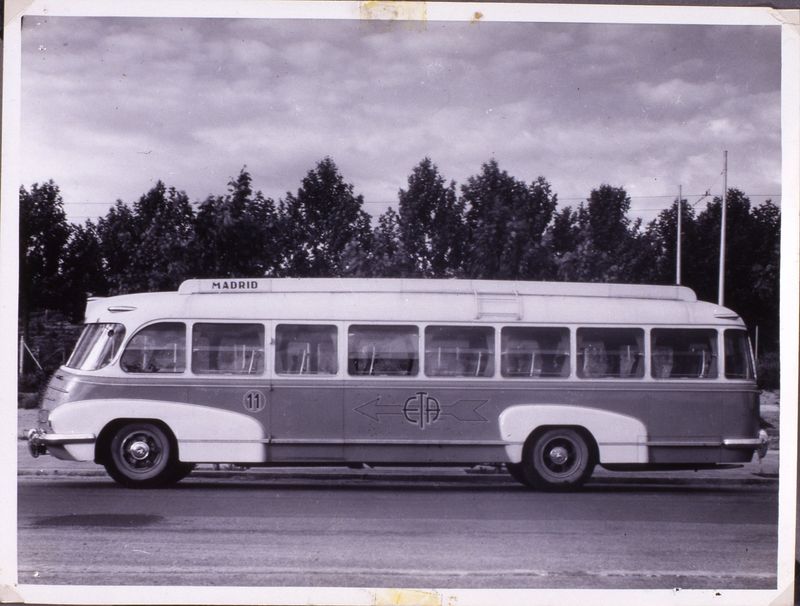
203, 434
384, 419
207, 396
423, 421
306, 420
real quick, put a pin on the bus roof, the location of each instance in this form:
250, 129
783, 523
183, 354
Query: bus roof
433, 287
413, 300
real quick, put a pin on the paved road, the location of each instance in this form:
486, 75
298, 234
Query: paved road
465, 532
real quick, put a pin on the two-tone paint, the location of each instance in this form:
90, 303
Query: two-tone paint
283, 419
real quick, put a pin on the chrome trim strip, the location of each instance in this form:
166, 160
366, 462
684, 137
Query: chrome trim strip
338, 442
684, 443
364, 442
66, 438
742, 442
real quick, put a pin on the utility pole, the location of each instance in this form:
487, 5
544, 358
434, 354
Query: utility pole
721, 297
678, 247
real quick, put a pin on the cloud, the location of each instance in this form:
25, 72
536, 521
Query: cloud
111, 105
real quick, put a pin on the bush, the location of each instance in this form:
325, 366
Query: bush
769, 370
28, 400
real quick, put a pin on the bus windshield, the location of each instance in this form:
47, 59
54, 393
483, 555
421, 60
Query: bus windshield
97, 346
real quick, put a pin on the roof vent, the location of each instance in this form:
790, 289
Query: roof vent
498, 305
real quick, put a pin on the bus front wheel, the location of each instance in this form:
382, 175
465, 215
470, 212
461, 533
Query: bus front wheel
141, 456
558, 459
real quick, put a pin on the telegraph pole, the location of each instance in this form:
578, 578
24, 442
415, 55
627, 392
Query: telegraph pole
721, 297
678, 247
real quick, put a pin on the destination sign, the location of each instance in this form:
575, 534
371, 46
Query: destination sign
224, 285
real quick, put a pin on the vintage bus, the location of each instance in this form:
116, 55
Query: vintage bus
549, 379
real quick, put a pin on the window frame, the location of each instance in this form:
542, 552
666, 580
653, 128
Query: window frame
265, 352
186, 344
345, 368
641, 375
273, 347
494, 328
570, 352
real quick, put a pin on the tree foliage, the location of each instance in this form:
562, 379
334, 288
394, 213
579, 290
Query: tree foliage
496, 227
506, 221
237, 234
320, 220
44, 233
431, 230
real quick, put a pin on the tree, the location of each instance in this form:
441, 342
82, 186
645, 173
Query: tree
320, 221
164, 221
43, 236
237, 234
506, 221
431, 223
662, 232
752, 260
147, 248
82, 269
118, 240
608, 247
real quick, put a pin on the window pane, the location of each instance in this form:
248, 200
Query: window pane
738, 361
97, 346
683, 353
534, 352
459, 351
306, 350
383, 350
228, 349
610, 352
157, 348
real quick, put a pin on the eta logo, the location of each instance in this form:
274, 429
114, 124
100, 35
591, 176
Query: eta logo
422, 410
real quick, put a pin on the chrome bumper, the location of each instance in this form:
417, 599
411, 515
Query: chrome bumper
39, 440
761, 443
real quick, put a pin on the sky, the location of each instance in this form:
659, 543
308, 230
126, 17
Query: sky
112, 105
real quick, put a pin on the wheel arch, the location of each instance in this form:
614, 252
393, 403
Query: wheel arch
617, 437
109, 429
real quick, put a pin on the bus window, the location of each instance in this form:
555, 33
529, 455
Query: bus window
610, 353
459, 351
529, 351
98, 345
383, 350
302, 349
683, 353
228, 349
738, 360
157, 348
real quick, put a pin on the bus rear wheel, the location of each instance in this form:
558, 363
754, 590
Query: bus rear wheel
558, 459
141, 456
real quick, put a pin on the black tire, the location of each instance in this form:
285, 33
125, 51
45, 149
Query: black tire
517, 472
140, 455
558, 459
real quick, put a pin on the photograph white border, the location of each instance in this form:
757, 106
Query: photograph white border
787, 20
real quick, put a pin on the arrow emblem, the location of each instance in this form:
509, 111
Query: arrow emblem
422, 410
374, 408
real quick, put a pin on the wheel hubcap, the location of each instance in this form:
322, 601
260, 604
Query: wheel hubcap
559, 455
139, 450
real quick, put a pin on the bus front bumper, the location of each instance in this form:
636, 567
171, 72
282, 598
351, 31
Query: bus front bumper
39, 440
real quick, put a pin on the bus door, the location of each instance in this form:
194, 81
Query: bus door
305, 396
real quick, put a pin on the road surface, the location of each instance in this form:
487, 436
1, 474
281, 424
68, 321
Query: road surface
481, 531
